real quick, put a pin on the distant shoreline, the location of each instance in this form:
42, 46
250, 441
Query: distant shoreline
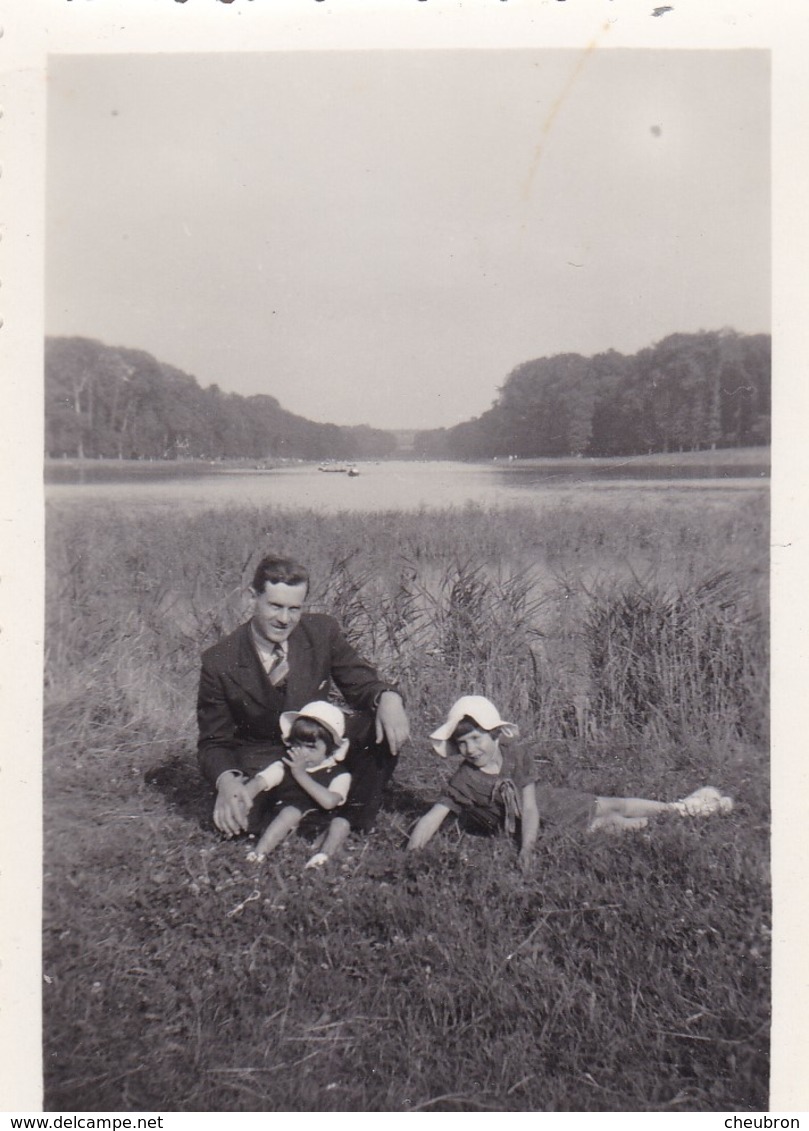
744, 461
746, 458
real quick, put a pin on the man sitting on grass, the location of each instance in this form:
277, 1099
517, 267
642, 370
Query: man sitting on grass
281, 659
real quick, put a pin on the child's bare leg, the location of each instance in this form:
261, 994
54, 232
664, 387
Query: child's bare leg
630, 807
338, 830
615, 823
277, 831
624, 814
330, 843
701, 803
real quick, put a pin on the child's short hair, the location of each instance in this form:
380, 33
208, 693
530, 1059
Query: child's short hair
467, 725
305, 729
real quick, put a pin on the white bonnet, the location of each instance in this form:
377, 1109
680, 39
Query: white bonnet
476, 707
328, 715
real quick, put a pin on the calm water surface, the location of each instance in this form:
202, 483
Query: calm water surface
403, 485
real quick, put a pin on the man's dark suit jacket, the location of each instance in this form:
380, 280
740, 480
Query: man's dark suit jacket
238, 709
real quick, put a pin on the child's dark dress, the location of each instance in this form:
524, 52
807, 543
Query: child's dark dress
286, 791
491, 801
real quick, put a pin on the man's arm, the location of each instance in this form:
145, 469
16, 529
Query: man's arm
217, 727
392, 721
217, 731
362, 687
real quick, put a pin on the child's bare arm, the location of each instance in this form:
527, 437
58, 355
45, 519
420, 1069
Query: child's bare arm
427, 826
266, 779
254, 787
530, 823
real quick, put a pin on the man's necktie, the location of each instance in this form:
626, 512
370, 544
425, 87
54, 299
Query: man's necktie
279, 668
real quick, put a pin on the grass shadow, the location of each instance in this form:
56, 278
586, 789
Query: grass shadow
400, 799
184, 789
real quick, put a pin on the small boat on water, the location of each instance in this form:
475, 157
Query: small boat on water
340, 467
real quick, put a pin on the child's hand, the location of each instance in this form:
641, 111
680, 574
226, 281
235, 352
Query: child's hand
296, 760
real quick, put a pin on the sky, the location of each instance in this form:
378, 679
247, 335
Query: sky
380, 237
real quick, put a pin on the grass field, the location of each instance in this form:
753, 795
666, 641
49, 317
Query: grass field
620, 974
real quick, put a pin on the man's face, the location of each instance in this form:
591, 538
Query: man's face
278, 609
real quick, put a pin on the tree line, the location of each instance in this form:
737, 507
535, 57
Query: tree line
115, 403
688, 392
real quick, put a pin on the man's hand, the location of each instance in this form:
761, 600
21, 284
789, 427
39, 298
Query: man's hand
233, 803
391, 721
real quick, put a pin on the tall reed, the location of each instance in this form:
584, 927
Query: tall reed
581, 647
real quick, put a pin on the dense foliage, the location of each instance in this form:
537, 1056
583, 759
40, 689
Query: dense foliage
103, 401
689, 391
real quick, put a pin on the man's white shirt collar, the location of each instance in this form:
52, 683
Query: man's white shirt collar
266, 649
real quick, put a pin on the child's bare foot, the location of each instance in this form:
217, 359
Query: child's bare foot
255, 857
317, 861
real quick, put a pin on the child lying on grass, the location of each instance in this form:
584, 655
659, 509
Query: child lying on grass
496, 786
309, 778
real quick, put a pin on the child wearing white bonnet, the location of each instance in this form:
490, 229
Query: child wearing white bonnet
496, 787
309, 778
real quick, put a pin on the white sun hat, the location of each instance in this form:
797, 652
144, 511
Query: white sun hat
483, 711
329, 716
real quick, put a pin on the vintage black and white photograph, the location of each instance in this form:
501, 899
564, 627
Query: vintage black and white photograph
407, 433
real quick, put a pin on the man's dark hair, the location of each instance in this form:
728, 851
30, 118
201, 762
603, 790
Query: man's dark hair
274, 570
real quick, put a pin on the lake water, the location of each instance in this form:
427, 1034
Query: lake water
404, 485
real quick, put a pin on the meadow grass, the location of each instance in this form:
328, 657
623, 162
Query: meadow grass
620, 974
